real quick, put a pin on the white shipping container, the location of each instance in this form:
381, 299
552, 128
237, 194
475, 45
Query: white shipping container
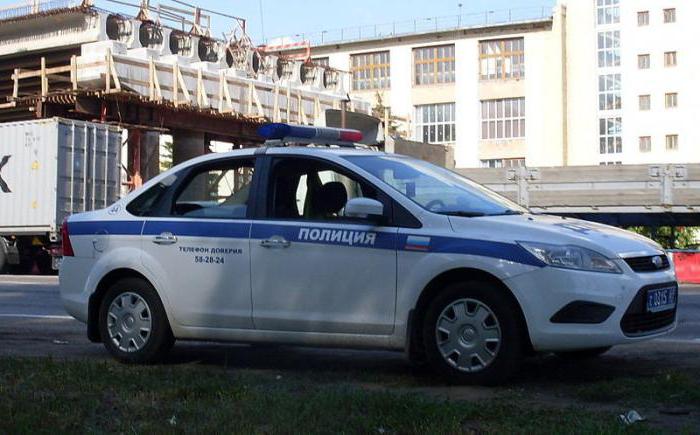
53, 168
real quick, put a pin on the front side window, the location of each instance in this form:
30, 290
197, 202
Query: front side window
502, 59
370, 71
308, 189
609, 49
434, 188
503, 119
434, 64
219, 191
435, 123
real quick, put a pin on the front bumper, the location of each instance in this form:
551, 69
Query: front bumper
544, 292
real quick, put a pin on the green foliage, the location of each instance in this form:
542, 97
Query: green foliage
669, 237
166, 156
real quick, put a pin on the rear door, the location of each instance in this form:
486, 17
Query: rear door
313, 269
200, 245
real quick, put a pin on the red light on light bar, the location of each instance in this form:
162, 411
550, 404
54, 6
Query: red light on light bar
350, 136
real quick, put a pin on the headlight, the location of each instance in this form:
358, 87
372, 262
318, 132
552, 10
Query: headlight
571, 257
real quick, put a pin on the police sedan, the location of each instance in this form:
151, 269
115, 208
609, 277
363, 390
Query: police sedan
347, 247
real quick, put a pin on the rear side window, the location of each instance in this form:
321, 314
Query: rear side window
146, 203
221, 191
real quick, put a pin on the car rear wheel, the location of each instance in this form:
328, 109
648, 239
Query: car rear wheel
472, 334
583, 354
133, 324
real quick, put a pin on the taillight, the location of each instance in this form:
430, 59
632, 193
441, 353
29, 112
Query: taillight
66, 246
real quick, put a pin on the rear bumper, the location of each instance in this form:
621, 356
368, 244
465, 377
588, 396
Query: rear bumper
73, 276
545, 292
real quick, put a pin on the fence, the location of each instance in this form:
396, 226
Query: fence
420, 25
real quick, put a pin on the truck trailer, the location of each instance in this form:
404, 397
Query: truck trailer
50, 169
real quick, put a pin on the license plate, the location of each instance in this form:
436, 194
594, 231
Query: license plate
661, 299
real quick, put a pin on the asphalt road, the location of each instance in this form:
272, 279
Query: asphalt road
33, 323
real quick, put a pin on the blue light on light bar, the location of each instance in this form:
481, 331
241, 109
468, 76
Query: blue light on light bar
281, 131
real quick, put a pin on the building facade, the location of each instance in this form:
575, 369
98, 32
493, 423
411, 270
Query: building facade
598, 82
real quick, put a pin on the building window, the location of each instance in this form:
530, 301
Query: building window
645, 144
672, 142
670, 15
503, 119
645, 102
435, 123
609, 49
610, 163
434, 64
321, 61
671, 100
670, 58
370, 71
643, 61
610, 135
502, 59
643, 18
503, 163
609, 95
608, 11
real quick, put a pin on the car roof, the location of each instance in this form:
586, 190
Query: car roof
296, 150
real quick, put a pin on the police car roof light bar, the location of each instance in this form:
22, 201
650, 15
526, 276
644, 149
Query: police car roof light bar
308, 134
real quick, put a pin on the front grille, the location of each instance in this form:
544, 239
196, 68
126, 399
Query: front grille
646, 264
637, 321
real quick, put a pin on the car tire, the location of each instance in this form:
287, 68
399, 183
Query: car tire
472, 334
577, 355
133, 324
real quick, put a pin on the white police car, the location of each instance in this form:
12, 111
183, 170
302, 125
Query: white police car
345, 247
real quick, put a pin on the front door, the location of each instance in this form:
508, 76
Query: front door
201, 246
312, 268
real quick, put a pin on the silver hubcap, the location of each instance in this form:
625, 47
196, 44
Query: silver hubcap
129, 322
468, 335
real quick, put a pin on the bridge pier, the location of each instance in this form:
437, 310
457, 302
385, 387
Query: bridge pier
188, 145
143, 150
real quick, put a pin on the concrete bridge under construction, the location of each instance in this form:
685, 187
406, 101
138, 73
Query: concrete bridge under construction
160, 71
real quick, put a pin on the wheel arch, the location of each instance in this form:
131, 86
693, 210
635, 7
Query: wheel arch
414, 342
95, 300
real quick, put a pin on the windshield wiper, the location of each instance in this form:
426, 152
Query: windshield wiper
462, 213
508, 212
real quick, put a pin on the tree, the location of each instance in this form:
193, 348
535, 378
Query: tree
669, 237
166, 156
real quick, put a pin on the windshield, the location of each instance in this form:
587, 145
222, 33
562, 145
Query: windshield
434, 188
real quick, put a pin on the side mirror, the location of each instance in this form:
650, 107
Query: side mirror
364, 208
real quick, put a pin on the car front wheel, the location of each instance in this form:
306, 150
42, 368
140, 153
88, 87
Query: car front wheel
133, 324
472, 334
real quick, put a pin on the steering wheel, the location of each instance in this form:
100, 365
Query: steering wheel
436, 202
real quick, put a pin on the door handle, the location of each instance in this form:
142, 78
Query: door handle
165, 239
277, 242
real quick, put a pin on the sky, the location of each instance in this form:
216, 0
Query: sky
287, 17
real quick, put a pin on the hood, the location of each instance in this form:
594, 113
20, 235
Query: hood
609, 241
